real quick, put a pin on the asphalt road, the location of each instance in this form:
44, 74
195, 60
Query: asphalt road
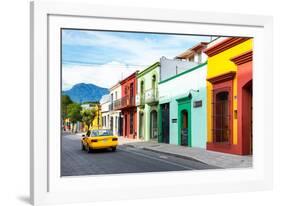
124, 160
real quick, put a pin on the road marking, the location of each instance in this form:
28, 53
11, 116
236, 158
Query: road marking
161, 160
163, 157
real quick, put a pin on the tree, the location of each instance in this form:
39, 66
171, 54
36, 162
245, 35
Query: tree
88, 115
74, 113
65, 101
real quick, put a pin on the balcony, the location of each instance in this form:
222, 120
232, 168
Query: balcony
124, 102
151, 96
117, 104
128, 101
140, 100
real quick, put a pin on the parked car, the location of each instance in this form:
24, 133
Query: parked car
99, 139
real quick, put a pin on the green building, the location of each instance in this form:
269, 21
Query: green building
147, 102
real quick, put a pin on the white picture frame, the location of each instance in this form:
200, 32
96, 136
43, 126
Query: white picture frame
46, 184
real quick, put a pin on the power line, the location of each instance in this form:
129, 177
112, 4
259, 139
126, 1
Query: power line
101, 63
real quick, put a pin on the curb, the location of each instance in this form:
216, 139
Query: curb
171, 154
175, 155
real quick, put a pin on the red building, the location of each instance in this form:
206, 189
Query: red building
245, 93
128, 106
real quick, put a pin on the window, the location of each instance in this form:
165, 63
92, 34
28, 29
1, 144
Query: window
131, 89
221, 123
142, 87
153, 82
111, 98
126, 90
116, 122
131, 94
131, 122
108, 121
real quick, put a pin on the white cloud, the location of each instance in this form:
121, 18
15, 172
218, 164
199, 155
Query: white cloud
102, 75
147, 50
133, 51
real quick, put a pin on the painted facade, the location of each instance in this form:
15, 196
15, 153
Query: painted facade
104, 103
114, 109
182, 108
172, 67
128, 105
229, 95
182, 98
147, 102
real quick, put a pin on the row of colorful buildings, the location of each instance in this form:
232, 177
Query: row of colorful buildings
201, 98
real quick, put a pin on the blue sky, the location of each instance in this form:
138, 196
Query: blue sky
103, 58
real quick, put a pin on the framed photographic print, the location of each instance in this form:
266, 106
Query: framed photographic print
148, 101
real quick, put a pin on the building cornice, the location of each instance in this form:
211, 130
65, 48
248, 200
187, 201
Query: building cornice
133, 75
200, 46
223, 77
114, 86
185, 72
243, 58
224, 45
148, 69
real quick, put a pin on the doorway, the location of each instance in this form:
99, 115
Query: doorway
184, 127
125, 126
120, 125
153, 124
165, 114
247, 120
184, 121
141, 125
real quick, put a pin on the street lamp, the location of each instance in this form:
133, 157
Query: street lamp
189, 96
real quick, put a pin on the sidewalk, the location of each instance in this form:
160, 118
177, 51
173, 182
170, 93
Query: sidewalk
127, 141
217, 159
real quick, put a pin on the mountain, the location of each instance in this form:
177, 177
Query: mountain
82, 92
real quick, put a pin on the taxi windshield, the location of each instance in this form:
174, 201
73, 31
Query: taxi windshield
101, 133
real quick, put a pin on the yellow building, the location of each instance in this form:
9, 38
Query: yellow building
97, 122
222, 92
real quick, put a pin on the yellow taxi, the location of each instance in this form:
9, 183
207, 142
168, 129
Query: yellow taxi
99, 139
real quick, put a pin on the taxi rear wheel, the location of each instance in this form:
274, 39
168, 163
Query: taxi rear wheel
113, 149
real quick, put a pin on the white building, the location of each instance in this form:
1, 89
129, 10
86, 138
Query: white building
187, 60
105, 103
114, 112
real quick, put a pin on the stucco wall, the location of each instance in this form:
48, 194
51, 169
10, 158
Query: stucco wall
115, 113
199, 120
147, 78
172, 67
179, 87
115, 89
